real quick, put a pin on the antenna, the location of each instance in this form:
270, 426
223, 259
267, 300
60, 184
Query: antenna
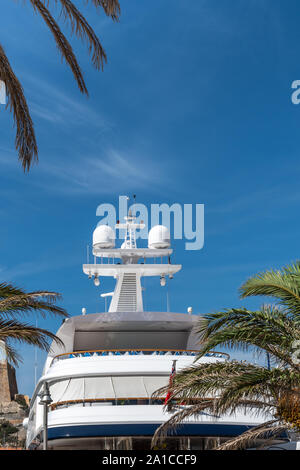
128, 294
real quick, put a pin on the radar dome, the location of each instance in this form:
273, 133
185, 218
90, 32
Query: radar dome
159, 237
103, 237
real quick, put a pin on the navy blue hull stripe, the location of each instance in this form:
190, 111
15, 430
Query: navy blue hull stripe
110, 430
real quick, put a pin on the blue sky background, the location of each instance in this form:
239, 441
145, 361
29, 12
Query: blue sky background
194, 106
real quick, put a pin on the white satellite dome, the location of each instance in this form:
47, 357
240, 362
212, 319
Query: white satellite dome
159, 237
125, 245
103, 237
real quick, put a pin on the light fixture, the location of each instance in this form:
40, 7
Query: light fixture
45, 398
97, 281
162, 281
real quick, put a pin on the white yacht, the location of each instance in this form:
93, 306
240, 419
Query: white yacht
102, 380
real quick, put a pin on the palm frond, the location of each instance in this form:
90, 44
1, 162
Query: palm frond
169, 426
62, 43
283, 285
267, 329
208, 405
12, 355
82, 29
228, 388
24, 304
271, 320
25, 141
25, 333
15, 301
205, 379
110, 7
267, 430
231, 384
264, 384
7, 290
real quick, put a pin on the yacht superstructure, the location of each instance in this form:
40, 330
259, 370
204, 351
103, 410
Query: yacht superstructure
102, 379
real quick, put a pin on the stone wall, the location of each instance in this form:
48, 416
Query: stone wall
8, 382
10, 409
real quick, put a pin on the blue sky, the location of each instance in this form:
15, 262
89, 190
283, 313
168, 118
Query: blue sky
194, 106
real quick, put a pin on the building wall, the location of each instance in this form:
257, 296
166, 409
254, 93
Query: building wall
8, 382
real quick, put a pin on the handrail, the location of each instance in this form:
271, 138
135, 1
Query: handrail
135, 351
103, 400
114, 401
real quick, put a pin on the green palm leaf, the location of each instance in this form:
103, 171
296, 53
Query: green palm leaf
225, 387
25, 333
267, 430
268, 329
25, 141
283, 285
15, 302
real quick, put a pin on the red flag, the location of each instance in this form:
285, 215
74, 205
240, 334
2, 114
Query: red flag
169, 394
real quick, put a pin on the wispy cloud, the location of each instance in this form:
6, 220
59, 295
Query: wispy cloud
7, 157
99, 174
31, 268
50, 104
73, 171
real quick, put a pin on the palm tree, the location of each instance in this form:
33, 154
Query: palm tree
16, 302
25, 136
226, 387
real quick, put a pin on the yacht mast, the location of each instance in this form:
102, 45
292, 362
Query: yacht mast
127, 296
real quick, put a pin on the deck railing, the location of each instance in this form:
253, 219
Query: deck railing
123, 401
138, 352
108, 401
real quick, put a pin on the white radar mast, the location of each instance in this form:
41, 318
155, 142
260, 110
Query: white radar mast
133, 265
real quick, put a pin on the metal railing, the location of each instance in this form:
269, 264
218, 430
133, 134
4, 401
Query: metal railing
87, 402
138, 352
